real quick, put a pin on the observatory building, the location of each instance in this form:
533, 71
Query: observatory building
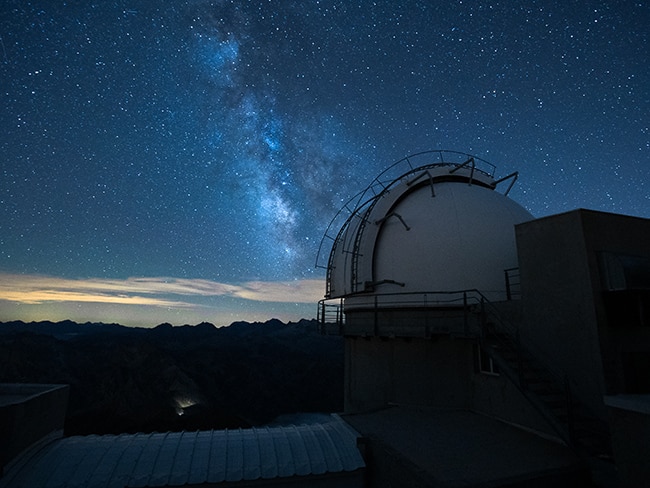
484, 347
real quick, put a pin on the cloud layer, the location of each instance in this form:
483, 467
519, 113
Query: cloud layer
152, 291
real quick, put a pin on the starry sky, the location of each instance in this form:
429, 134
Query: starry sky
180, 161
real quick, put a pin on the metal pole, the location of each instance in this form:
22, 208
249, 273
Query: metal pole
376, 318
483, 319
465, 318
569, 410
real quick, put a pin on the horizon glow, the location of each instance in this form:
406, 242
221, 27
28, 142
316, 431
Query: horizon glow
146, 302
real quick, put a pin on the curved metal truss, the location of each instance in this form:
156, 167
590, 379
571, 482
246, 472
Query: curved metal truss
357, 209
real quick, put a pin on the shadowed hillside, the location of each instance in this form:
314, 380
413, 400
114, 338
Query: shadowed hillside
177, 378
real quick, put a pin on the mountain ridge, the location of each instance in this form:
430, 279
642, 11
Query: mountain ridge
126, 379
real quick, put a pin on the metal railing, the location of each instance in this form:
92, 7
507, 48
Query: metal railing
526, 369
513, 283
359, 205
331, 315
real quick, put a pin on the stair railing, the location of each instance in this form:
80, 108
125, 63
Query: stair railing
526, 357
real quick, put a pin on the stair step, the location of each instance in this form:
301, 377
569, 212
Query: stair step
562, 417
595, 446
554, 403
510, 357
561, 413
540, 385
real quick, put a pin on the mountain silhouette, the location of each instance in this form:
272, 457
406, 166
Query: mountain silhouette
168, 378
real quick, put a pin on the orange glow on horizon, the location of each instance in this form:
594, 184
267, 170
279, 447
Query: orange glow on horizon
148, 301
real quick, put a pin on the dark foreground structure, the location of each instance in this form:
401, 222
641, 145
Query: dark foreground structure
35, 454
483, 348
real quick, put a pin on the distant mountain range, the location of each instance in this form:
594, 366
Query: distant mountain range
167, 378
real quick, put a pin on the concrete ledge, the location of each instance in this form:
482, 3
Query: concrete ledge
28, 414
633, 403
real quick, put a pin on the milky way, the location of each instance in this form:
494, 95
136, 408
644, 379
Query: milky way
215, 140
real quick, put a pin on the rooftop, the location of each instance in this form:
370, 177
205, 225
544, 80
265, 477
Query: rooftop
191, 458
463, 448
12, 393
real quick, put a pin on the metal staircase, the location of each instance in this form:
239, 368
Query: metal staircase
549, 393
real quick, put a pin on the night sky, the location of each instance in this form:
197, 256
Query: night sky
180, 161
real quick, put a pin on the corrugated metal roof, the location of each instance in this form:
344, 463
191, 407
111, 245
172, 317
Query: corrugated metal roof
187, 458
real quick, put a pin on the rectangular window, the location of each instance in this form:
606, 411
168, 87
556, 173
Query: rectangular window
627, 308
485, 363
624, 272
636, 370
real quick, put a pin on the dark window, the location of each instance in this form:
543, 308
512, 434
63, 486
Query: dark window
627, 308
636, 369
624, 272
485, 363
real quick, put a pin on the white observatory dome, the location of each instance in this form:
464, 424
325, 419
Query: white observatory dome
438, 228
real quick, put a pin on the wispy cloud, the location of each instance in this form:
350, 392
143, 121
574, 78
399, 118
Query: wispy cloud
298, 291
153, 291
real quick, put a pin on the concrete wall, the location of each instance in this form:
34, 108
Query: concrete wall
438, 372
497, 397
630, 428
559, 314
562, 297
29, 413
408, 322
616, 234
428, 372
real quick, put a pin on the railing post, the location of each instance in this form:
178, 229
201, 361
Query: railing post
376, 318
520, 360
483, 319
569, 409
321, 316
465, 318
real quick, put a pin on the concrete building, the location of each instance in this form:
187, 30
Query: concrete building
585, 279
509, 350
